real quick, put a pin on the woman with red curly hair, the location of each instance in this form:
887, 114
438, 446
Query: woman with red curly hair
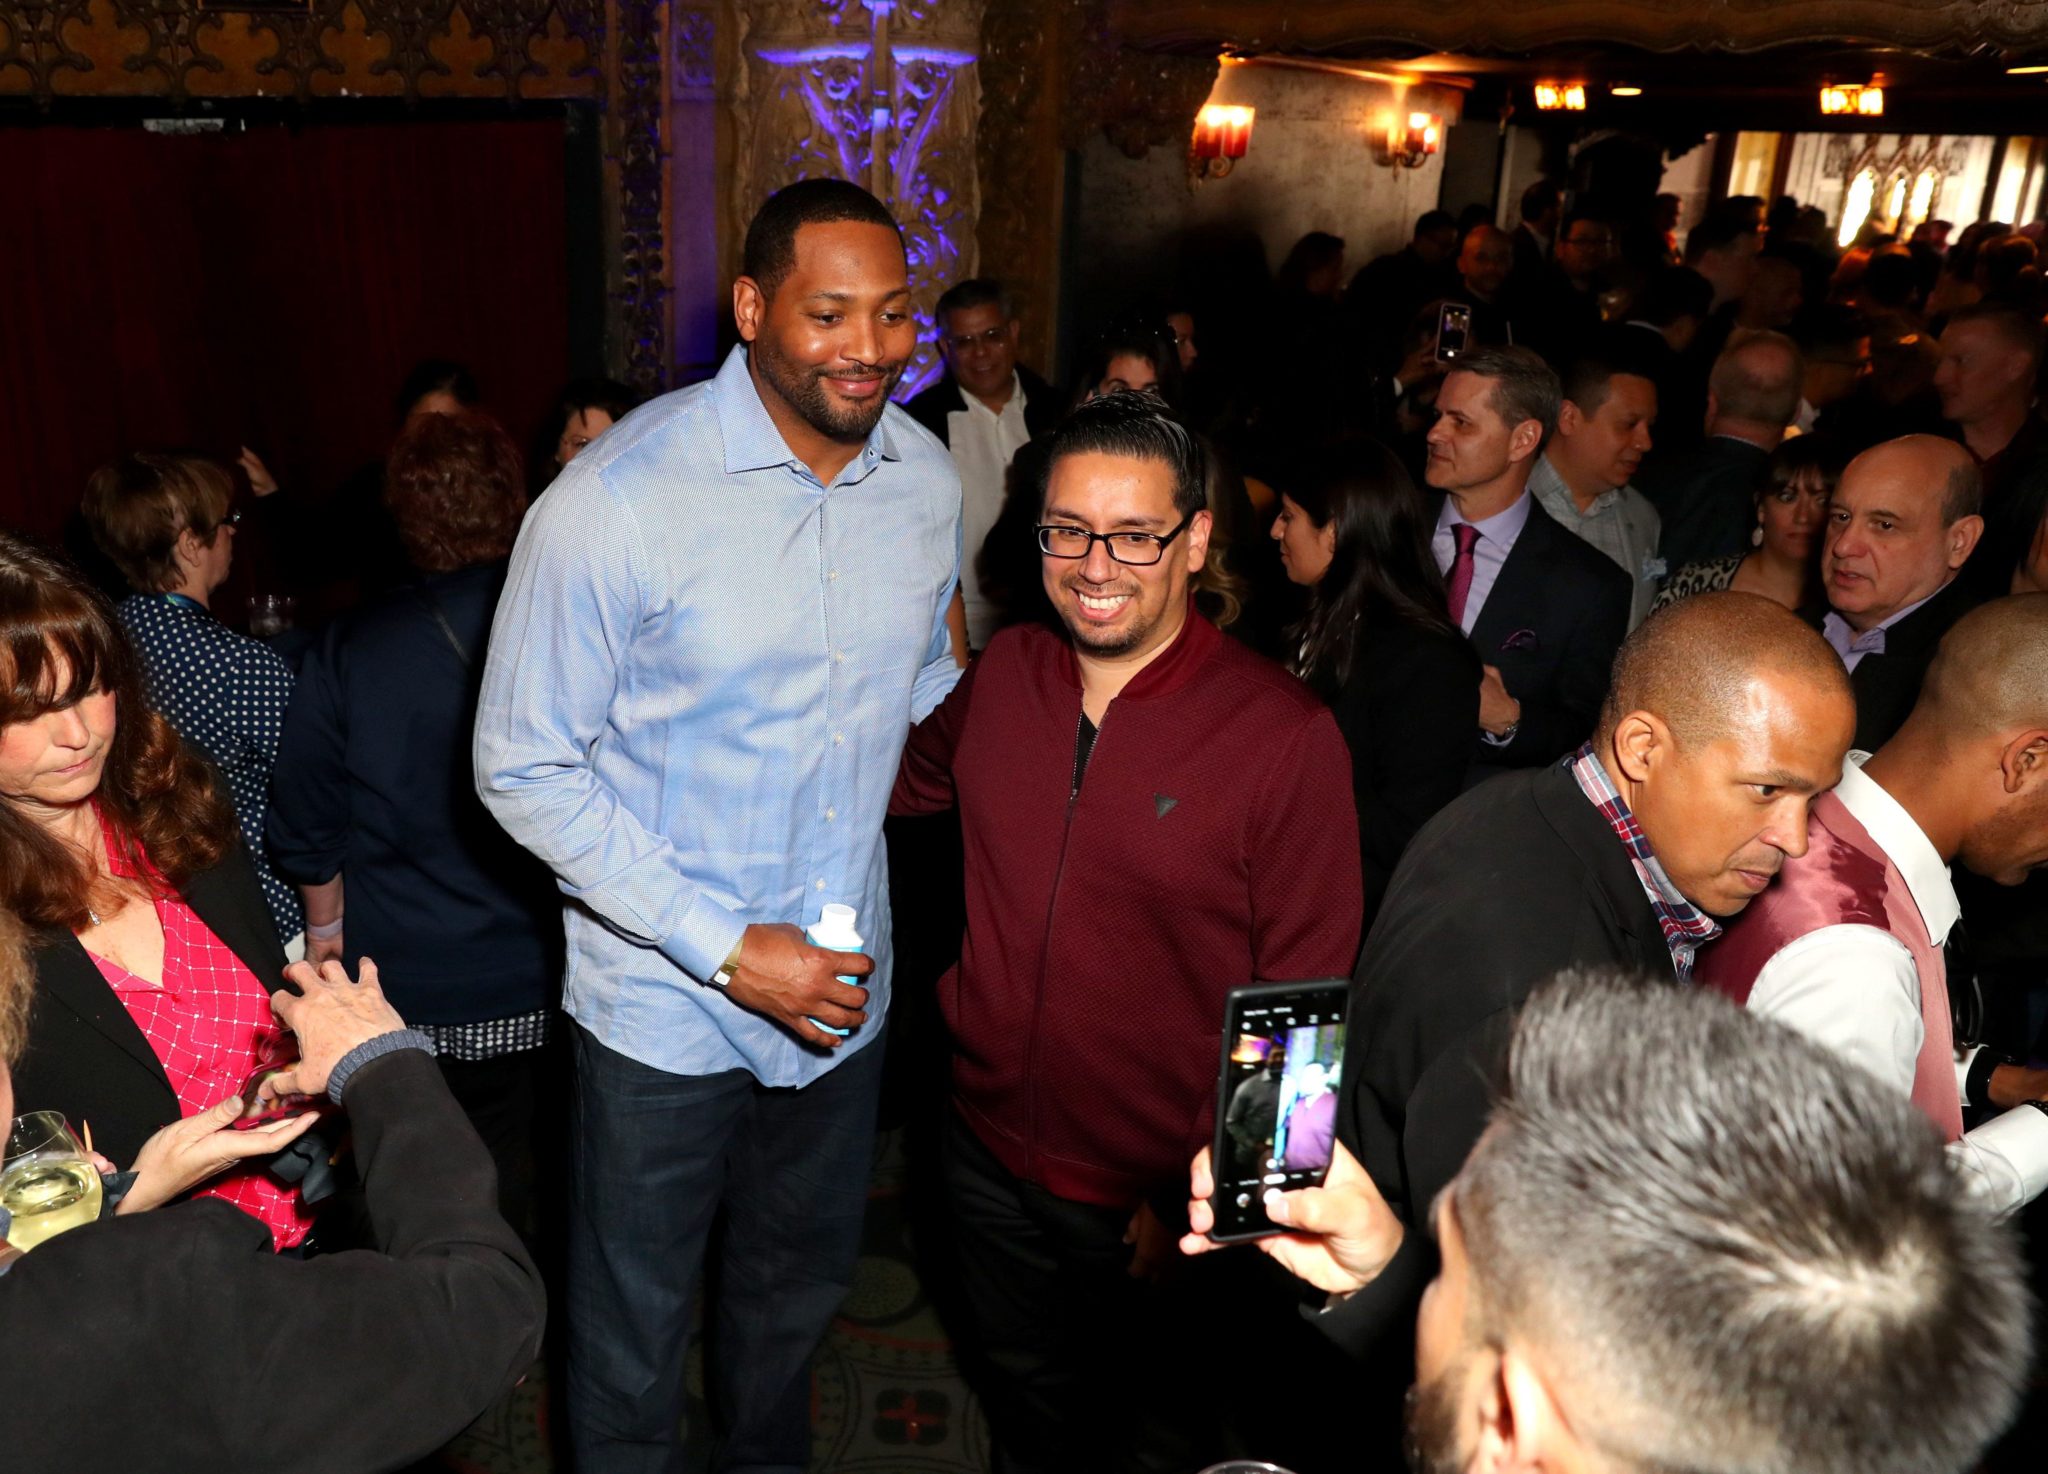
154, 952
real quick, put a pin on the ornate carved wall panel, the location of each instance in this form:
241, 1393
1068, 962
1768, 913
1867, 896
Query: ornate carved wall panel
335, 48
1052, 74
884, 94
1659, 25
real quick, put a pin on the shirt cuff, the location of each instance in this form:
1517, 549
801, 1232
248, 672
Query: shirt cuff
1493, 739
369, 1049
704, 938
1965, 1058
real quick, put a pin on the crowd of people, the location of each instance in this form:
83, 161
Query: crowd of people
1626, 664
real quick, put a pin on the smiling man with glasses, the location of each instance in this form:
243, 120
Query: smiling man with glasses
1151, 816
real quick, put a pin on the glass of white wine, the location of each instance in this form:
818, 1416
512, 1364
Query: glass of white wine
47, 1183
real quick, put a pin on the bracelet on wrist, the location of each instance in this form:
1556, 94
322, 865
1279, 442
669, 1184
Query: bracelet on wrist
325, 931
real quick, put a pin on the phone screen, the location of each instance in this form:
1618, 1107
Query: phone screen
1453, 331
1276, 1097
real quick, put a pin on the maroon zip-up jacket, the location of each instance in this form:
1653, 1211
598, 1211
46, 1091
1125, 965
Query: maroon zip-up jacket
1213, 842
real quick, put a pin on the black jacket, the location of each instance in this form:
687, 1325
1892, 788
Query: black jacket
1407, 714
1551, 624
1510, 883
1707, 499
373, 781
85, 1056
1043, 406
1887, 685
177, 1341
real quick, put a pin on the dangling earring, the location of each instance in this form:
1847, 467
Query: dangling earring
1756, 536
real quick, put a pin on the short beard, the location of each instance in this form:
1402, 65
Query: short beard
1432, 1418
1099, 641
804, 391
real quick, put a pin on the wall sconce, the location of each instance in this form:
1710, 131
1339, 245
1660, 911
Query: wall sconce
1222, 134
1409, 146
1845, 100
1567, 97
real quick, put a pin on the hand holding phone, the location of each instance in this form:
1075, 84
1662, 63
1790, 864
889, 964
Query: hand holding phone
1453, 331
1276, 1099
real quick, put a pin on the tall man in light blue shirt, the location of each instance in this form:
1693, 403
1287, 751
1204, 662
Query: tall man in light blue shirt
719, 626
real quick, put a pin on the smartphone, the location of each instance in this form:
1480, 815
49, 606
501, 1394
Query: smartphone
1276, 1098
256, 1111
1453, 331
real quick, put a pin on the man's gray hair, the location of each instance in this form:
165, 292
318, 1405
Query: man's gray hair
1732, 1249
1524, 386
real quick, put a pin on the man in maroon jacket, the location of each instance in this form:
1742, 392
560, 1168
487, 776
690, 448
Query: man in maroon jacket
1151, 816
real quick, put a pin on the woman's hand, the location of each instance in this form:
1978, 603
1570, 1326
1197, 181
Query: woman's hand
261, 482
322, 949
186, 1153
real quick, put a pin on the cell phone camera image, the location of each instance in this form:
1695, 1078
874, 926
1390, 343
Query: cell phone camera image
1276, 1109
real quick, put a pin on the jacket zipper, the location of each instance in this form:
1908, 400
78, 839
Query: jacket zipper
1045, 944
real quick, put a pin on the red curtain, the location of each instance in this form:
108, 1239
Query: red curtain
267, 288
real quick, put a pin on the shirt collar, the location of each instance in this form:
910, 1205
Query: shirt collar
1013, 405
752, 442
1549, 488
1684, 925
1871, 641
1904, 843
1502, 527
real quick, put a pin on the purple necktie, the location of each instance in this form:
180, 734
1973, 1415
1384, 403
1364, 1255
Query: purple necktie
1461, 570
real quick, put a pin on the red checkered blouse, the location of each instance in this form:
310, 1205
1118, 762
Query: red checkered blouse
210, 1023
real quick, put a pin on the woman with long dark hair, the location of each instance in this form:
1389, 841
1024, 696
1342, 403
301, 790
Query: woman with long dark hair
1378, 643
153, 950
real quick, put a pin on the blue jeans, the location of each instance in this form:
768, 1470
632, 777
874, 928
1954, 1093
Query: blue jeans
654, 1159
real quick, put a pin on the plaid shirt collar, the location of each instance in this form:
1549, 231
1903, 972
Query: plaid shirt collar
1685, 925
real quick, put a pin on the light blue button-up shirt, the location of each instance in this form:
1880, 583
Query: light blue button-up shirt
702, 673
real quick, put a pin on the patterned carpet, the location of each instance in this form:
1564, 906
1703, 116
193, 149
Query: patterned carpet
887, 1396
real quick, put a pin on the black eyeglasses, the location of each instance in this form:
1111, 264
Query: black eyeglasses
1136, 549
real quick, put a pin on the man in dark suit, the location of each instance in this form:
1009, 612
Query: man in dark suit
1542, 204
1902, 523
1706, 493
986, 409
1545, 610
1726, 718
1382, 301
176, 1340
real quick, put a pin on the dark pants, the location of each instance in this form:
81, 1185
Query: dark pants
1082, 1369
500, 1097
655, 1158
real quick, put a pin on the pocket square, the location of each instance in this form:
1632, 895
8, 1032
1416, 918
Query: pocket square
1522, 640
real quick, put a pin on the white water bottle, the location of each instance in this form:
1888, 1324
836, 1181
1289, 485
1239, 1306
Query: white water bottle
834, 930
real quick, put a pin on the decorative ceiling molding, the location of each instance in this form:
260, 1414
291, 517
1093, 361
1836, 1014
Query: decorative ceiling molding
1359, 26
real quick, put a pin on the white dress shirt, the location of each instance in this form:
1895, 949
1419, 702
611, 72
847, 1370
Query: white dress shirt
983, 442
1855, 989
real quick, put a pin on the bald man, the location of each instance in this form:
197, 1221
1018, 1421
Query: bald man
1727, 716
1903, 521
1847, 947
1706, 491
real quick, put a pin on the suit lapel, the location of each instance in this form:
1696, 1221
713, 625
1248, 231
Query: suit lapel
229, 901
66, 977
1509, 598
